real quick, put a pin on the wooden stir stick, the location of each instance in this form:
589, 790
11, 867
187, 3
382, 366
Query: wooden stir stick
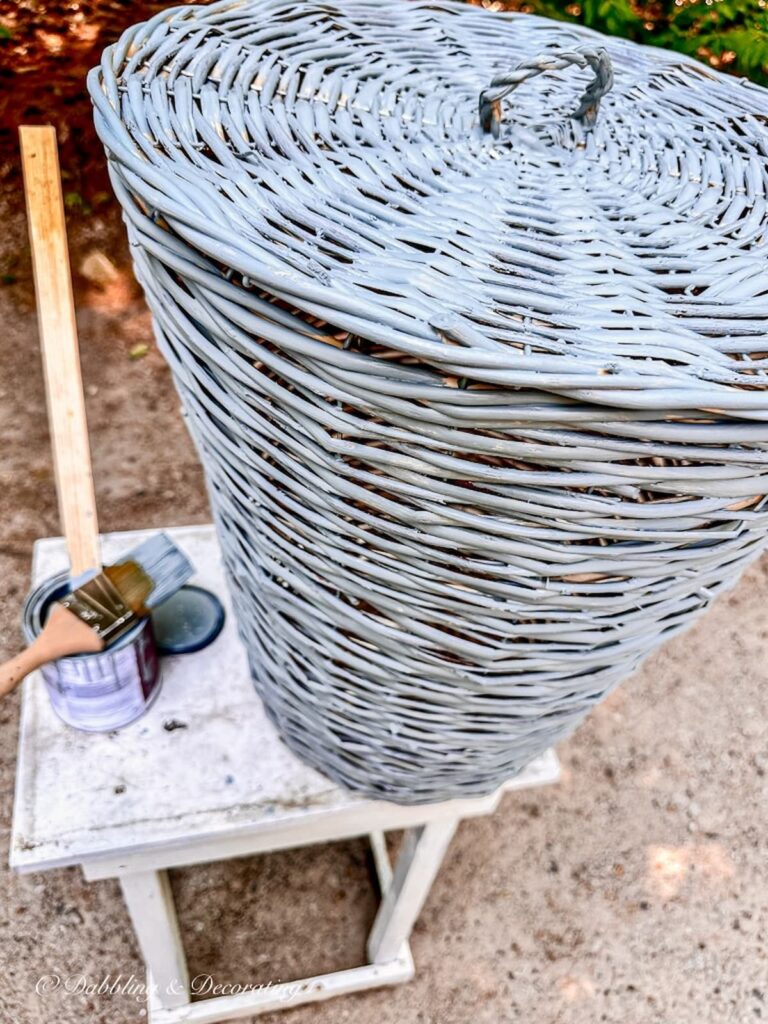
64, 633
59, 345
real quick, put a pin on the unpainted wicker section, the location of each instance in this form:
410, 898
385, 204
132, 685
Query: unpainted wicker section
483, 416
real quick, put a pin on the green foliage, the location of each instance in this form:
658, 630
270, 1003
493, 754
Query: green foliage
76, 203
731, 35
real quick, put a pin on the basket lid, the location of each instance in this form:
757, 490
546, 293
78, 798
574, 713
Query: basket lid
434, 177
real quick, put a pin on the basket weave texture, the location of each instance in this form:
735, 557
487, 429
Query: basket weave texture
479, 384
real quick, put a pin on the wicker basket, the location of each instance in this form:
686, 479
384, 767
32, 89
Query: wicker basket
477, 372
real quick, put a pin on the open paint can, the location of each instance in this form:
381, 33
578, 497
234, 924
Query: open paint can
96, 692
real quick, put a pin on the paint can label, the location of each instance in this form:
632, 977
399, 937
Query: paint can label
107, 690
96, 692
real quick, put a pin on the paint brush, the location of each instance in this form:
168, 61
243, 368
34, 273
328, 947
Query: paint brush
102, 607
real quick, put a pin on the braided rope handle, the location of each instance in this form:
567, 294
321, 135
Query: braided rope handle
594, 57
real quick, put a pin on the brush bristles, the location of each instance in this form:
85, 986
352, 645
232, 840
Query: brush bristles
133, 584
111, 601
151, 573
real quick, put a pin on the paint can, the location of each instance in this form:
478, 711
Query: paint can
96, 692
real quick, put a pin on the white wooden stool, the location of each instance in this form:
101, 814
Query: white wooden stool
200, 777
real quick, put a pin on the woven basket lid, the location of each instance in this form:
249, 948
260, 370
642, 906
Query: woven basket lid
434, 178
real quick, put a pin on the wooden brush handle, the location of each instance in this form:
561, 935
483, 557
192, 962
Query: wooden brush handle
13, 671
63, 634
58, 340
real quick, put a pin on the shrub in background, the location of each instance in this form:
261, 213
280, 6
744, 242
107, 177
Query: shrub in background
730, 35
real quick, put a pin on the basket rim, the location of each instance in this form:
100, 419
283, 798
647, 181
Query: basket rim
670, 367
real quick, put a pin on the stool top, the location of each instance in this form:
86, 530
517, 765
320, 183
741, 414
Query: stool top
429, 178
204, 762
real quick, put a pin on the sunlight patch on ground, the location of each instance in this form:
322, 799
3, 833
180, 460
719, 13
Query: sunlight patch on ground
669, 867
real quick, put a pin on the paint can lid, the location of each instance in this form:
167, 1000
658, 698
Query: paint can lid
188, 621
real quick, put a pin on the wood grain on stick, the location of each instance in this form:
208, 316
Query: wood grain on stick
58, 341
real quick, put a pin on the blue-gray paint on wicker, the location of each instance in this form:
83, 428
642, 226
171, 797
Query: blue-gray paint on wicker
483, 417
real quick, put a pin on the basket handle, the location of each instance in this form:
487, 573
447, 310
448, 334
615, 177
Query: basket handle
586, 56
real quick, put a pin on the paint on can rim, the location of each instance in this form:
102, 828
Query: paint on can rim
96, 692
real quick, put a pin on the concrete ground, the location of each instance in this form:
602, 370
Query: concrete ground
633, 892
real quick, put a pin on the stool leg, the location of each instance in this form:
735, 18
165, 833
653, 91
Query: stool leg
150, 904
417, 865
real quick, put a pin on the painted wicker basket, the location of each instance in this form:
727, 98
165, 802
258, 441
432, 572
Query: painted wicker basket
477, 373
